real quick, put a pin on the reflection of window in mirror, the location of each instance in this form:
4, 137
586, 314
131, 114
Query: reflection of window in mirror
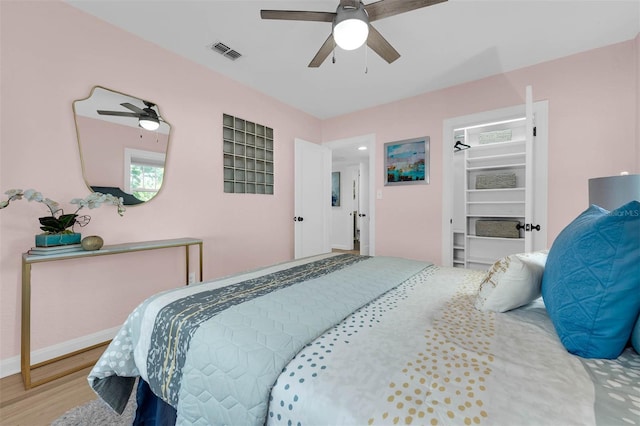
144, 173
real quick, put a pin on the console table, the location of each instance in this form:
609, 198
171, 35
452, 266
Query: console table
29, 259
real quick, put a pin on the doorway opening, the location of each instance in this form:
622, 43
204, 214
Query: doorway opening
488, 145
353, 221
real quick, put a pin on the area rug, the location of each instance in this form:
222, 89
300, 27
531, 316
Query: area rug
97, 413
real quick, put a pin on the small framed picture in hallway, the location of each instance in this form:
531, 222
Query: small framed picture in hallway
335, 189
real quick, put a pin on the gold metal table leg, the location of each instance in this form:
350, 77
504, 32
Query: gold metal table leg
200, 247
25, 332
186, 248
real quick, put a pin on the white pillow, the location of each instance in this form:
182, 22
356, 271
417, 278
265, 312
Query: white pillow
511, 282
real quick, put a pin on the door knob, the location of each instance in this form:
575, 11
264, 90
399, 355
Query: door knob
362, 215
298, 218
528, 227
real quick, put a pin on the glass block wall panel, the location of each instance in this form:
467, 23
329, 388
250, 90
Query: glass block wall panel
248, 156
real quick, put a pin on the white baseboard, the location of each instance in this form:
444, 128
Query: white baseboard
11, 365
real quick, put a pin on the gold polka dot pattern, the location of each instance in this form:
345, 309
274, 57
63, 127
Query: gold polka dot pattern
445, 383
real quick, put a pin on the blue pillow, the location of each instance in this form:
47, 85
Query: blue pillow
635, 336
591, 282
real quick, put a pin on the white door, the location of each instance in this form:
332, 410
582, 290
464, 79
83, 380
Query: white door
529, 191
363, 210
536, 174
312, 219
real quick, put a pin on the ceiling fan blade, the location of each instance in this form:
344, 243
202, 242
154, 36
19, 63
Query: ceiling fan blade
324, 51
118, 113
381, 46
386, 8
294, 15
134, 108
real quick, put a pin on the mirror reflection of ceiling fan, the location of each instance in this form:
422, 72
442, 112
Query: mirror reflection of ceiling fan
147, 117
351, 25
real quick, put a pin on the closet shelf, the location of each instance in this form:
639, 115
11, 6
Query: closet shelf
486, 215
497, 167
495, 202
499, 145
475, 237
486, 190
496, 157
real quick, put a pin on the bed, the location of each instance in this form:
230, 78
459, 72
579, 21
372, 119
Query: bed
355, 340
543, 338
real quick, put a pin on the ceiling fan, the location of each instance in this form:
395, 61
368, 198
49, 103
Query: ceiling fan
147, 117
353, 16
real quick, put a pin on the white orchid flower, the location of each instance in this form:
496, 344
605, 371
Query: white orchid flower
92, 201
53, 205
14, 194
33, 195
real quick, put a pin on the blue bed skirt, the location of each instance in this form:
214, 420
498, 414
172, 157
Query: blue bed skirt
152, 411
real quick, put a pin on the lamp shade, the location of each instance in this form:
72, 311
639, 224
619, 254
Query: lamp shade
350, 27
612, 192
149, 123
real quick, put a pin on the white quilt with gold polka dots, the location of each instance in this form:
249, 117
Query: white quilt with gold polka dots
422, 354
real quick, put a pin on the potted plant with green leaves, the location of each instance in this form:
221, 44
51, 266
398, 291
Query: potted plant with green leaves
58, 227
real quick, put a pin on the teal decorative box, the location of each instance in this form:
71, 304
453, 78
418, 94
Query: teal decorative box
49, 240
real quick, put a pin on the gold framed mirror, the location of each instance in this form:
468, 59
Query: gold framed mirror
123, 142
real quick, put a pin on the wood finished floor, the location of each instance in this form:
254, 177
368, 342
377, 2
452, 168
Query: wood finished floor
43, 404
346, 251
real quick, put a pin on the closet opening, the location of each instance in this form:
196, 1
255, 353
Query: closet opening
495, 186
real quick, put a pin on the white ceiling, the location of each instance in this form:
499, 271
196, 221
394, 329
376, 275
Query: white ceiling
106, 99
441, 45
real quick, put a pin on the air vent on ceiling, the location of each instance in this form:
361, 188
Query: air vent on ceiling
225, 50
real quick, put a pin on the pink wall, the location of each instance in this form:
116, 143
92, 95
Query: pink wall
593, 131
53, 54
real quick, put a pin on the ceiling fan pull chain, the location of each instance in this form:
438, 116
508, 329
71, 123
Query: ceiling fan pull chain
366, 59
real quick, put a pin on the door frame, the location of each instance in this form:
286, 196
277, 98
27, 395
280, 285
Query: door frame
369, 141
541, 114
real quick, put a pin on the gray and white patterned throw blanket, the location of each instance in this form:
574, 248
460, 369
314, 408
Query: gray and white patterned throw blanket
214, 350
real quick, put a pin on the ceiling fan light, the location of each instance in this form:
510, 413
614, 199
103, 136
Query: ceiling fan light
351, 27
351, 34
149, 123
